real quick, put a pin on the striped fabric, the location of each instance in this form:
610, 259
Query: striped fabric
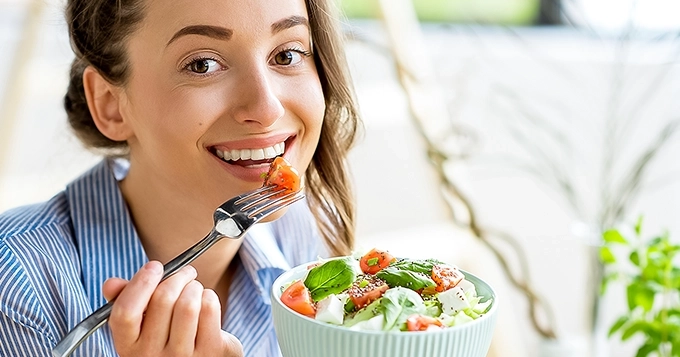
55, 256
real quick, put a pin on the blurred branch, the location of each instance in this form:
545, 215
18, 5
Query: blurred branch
429, 114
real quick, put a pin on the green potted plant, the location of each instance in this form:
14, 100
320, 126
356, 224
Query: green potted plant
650, 270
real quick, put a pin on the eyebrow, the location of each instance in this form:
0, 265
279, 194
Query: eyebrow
289, 22
216, 32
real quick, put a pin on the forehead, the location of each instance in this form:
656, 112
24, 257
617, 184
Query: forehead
166, 16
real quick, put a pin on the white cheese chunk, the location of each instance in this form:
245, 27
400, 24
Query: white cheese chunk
453, 300
468, 287
330, 310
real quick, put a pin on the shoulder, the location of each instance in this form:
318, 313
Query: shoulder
39, 231
23, 220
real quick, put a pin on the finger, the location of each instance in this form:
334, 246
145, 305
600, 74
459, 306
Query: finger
112, 287
209, 322
232, 345
156, 324
185, 316
126, 315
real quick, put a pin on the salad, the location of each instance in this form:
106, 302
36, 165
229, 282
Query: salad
378, 292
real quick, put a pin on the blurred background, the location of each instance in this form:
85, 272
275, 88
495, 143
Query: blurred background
504, 136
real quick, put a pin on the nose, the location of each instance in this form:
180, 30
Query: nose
257, 98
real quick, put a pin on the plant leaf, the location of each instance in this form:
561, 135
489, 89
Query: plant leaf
613, 236
635, 258
647, 348
607, 256
638, 226
640, 295
637, 326
617, 325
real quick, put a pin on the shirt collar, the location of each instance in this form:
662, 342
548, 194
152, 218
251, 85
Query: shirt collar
104, 233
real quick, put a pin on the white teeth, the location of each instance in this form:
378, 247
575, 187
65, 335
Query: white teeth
270, 152
257, 154
252, 154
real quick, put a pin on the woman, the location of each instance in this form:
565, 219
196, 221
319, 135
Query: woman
194, 100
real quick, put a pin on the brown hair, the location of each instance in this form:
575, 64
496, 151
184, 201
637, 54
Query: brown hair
98, 31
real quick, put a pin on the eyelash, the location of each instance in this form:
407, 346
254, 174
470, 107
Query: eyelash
298, 50
186, 67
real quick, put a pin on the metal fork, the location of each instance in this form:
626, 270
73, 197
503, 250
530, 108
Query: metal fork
231, 220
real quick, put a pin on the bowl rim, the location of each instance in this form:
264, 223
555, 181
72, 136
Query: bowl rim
279, 281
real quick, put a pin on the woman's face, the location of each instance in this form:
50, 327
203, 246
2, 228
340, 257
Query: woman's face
217, 89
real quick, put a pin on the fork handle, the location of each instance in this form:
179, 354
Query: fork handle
97, 319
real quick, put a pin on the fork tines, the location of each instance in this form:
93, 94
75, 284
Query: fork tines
266, 200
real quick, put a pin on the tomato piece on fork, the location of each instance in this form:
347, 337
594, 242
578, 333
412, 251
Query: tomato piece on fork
282, 174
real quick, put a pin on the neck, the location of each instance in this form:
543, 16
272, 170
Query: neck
168, 225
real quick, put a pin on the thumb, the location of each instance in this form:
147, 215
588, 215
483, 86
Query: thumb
112, 287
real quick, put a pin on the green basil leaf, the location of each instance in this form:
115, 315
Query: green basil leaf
423, 266
394, 277
331, 277
399, 304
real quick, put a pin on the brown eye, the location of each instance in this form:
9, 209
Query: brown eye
284, 58
202, 66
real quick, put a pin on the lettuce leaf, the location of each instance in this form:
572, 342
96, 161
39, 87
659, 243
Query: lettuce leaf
400, 303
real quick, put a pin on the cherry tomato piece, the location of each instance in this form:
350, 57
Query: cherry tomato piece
282, 174
365, 291
446, 277
421, 322
298, 298
375, 260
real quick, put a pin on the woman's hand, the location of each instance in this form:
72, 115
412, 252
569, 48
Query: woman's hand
176, 317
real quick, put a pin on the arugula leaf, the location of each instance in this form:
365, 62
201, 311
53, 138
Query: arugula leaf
400, 303
395, 276
331, 277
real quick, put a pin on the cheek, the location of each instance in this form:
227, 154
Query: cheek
175, 114
314, 107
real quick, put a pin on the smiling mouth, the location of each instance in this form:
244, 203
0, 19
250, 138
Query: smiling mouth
250, 157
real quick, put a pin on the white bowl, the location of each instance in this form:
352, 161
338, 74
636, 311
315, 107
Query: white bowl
301, 336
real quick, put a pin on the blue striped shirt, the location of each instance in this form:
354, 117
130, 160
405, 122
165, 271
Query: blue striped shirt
55, 256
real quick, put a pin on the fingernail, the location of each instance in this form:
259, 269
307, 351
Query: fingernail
154, 266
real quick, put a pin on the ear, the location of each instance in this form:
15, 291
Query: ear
103, 100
